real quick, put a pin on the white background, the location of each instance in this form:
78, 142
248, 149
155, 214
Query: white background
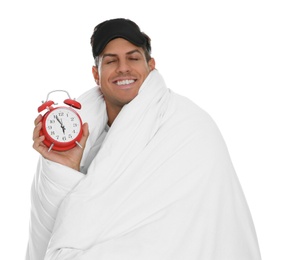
226, 56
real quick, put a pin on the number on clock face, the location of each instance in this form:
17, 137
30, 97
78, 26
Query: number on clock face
63, 124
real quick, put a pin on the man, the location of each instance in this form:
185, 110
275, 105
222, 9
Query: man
153, 180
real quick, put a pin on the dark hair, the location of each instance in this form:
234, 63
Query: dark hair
108, 30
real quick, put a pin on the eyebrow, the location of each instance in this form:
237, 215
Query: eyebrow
114, 55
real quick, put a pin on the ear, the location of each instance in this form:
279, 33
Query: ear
151, 64
95, 74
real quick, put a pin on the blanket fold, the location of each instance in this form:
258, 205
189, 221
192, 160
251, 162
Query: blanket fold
162, 186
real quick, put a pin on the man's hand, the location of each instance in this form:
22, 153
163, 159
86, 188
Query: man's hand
70, 158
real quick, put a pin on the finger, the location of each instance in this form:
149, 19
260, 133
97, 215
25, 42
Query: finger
85, 134
38, 145
38, 119
36, 131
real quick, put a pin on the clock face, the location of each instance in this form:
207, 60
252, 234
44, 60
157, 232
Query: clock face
62, 125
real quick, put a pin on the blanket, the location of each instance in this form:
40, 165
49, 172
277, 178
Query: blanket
159, 185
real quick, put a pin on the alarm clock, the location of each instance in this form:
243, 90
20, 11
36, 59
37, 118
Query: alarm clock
61, 125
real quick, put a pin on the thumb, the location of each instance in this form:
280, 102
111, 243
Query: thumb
85, 134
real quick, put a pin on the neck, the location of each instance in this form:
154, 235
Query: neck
112, 113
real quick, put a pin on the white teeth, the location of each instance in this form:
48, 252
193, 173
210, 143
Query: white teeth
125, 82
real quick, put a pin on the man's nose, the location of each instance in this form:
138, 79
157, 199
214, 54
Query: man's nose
123, 66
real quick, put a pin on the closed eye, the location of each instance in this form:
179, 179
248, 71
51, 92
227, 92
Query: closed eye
110, 61
109, 58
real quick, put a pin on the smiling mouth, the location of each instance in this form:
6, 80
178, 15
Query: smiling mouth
124, 82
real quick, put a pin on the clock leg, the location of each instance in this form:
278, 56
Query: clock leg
50, 148
79, 144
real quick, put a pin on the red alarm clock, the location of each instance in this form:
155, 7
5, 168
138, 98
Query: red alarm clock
62, 125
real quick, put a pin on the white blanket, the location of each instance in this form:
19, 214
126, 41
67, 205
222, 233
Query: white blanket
161, 187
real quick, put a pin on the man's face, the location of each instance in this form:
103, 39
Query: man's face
122, 70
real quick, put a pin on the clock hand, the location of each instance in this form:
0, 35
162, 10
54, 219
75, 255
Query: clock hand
58, 120
61, 123
63, 127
